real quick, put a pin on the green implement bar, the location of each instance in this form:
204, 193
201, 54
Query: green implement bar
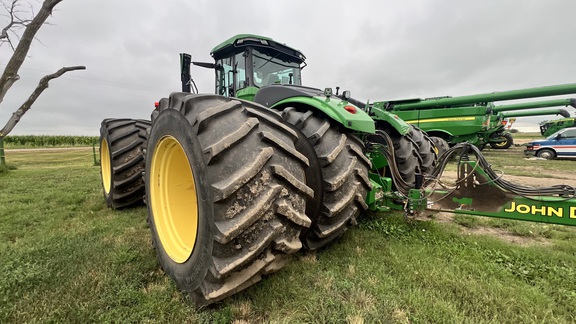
476, 194
562, 89
537, 104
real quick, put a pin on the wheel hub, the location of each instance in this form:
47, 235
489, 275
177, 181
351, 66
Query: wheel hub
173, 199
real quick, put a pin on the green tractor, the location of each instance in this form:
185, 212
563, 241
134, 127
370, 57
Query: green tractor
550, 127
237, 182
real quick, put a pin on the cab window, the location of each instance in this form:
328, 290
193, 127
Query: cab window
227, 82
272, 70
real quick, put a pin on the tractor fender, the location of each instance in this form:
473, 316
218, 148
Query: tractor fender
341, 111
382, 116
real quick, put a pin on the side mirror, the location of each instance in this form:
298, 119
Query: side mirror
205, 65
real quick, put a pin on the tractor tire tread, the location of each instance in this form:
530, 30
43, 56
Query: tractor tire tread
126, 139
257, 187
344, 173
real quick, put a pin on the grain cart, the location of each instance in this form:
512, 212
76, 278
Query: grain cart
236, 182
468, 118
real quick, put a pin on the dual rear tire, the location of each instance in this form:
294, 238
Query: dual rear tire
226, 193
344, 169
122, 142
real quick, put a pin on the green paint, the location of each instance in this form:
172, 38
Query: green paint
334, 108
463, 201
247, 93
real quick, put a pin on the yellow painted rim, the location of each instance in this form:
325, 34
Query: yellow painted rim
105, 166
173, 199
500, 144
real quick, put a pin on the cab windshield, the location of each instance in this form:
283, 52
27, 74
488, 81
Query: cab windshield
272, 70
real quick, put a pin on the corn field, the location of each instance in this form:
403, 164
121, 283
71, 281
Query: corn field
19, 141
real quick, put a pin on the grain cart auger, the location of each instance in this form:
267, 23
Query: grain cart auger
535, 112
469, 118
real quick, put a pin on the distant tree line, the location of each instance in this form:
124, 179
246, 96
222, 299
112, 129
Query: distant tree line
13, 141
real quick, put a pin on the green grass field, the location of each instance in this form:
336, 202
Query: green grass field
65, 257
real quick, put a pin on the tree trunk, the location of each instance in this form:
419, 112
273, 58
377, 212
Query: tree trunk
2, 156
10, 74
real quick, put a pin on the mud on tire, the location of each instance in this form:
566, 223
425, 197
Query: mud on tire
426, 151
414, 153
226, 193
344, 173
122, 162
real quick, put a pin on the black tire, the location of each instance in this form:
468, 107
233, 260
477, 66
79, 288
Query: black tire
227, 175
504, 144
440, 145
344, 173
122, 142
426, 151
414, 153
407, 157
547, 154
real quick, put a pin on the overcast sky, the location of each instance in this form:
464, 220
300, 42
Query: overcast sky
378, 50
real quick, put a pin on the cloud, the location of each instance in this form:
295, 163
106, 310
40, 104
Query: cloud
378, 50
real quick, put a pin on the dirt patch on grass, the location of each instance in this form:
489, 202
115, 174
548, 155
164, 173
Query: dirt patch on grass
502, 234
552, 178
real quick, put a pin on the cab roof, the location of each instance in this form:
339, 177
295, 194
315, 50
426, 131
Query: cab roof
236, 44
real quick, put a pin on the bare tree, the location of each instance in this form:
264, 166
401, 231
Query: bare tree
10, 74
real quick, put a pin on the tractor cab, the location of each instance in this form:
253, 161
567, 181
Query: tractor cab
245, 63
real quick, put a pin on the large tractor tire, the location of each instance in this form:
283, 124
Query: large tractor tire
440, 145
414, 153
344, 169
122, 142
426, 151
504, 144
226, 193
407, 157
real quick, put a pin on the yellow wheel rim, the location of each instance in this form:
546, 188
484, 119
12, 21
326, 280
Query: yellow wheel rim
173, 199
105, 166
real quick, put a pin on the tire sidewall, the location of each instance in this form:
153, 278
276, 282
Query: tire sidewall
191, 272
